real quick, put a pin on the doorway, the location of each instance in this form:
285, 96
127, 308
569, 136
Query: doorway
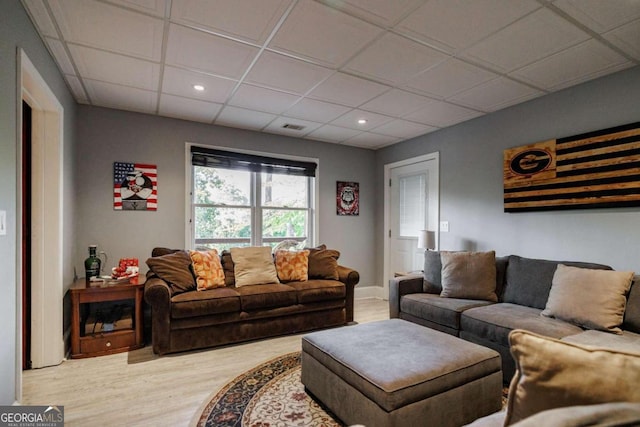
26, 236
45, 265
411, 204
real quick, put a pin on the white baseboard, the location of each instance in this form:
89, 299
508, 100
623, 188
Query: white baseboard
369, 292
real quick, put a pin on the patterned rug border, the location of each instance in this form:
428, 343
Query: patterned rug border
288, 361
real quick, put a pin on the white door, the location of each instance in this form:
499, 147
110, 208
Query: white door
412, 205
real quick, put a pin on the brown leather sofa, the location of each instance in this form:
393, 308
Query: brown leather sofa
194, 319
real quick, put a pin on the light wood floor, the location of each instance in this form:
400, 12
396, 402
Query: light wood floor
141, 389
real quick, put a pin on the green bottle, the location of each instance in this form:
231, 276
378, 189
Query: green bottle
92, 264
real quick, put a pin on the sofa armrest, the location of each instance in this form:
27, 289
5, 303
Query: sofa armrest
403, 285
350, 278
157, 294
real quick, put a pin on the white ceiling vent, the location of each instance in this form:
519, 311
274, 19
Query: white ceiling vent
292, 127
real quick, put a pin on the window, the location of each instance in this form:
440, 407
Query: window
239, 199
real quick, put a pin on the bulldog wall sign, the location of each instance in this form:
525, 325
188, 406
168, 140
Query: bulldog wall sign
347, 198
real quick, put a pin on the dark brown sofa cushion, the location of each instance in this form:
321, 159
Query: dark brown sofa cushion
228, 268
205, 303
175, 269
318, 290
266, 296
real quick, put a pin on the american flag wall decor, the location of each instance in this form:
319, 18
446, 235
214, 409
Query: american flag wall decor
135, 186
598, 169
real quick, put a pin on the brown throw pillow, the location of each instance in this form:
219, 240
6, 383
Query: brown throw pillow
470, 275
175, 269
555, 374
323, 263
592, 299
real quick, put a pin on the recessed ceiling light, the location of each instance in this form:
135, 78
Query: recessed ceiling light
199, 88
362, 121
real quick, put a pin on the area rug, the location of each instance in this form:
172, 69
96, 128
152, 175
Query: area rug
270, 395
267, 396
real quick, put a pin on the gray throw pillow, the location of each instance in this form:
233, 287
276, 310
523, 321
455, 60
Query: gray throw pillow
469, 275
432, 272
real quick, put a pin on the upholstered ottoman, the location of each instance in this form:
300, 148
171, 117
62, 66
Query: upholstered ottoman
397, 373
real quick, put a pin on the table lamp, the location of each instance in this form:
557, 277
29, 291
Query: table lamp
426, 239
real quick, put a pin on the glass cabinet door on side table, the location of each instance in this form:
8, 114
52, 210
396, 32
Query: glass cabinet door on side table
106, 318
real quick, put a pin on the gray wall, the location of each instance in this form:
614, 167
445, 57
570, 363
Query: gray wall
17, 31
106, 136
471, 187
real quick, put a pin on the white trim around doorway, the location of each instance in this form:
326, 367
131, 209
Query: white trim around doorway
435, 211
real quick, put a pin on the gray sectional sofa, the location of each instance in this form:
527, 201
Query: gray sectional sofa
522, 288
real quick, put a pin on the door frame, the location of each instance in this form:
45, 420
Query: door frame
434, 211
47, 340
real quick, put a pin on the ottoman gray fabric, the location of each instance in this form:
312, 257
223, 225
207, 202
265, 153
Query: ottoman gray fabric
397, 373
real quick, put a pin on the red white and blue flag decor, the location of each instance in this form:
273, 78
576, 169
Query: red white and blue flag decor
135, 186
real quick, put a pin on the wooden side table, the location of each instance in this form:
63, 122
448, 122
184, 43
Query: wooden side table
105, 342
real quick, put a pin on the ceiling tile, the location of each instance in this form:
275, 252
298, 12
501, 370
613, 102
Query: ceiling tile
442, 114
188, 109
200, 51
286, 73
395, 103
348, 90
322, 34
108, 27
332, 133
496, 94
276, 126
242, 118
251, 21
626, 38
320, 111
261, 99
121, 97
180, 82
371, 140
572, 66
76, 88
394, 59
449, 78
403, 129
350, 120
453, 25
39, 14
381, 12
60, 55
600, 15
109, 67
537, 36
152, 7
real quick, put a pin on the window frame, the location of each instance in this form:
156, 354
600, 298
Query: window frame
256, 199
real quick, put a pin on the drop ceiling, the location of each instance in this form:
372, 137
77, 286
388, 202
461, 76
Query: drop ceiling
314, 69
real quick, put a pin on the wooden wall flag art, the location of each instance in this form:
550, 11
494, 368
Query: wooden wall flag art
598, 169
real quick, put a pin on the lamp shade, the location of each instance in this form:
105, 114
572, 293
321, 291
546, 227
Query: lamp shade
426, 239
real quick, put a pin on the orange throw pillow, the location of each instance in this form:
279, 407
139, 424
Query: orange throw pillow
207, 268
292, 265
